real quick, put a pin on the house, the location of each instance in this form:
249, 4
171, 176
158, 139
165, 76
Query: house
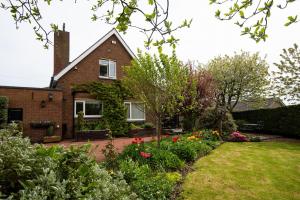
254, 105
59, 104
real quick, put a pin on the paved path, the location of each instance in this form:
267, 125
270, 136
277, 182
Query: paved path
98, 145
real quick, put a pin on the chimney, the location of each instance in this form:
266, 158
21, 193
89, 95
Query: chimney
61, 50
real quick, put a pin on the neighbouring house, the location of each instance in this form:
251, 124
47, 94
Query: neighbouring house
58, 105
269, 103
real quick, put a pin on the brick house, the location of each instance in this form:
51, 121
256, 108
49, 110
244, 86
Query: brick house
102, 61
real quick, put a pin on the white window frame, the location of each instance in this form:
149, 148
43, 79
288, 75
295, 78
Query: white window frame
84, 102
108, 69
130, 107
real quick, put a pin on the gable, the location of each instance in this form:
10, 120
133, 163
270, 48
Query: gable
86, 53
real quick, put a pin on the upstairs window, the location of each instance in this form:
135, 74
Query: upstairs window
107, 69
90, 108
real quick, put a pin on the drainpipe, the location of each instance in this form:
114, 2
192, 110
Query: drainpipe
73, 114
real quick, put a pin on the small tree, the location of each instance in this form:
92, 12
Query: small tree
287, 78
199, 93
158, 81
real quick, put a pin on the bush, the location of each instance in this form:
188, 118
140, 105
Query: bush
3, 110
281, 121
184, 150
148, 125
237, 137
35, 172
159, 187
209, 120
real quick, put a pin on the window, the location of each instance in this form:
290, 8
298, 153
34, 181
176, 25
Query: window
90, 108
135, 111
108, 69
15, 114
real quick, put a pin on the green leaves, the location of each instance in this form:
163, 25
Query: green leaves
245, 10
291, 20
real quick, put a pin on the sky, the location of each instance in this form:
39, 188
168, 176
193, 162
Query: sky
24, 61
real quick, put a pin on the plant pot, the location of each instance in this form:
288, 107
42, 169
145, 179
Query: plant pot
53, 138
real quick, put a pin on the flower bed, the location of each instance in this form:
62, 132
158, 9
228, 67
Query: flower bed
154, 172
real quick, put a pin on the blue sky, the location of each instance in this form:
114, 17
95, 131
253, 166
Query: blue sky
24, 62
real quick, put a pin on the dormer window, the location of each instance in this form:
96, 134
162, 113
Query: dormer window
108, 69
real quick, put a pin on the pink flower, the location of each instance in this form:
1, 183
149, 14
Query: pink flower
138, 140
145, 155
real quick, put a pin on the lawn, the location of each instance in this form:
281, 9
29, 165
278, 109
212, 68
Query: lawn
266, 170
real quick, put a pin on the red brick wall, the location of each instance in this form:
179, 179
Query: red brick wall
29, 99
87, 71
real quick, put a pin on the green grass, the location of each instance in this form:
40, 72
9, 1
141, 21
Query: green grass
266, 170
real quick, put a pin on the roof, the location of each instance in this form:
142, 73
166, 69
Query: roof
253, 105
30, 88
91, 49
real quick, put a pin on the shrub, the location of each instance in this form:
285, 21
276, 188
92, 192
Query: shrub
209, 120
148, 125
237, 137
159, 187
184, 150
133, 170
3, 110
35, 172
281, 121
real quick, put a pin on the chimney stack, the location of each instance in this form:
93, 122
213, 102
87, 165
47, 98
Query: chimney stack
61, 50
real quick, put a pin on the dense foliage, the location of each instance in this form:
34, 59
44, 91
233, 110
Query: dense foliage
35, 172
112, 96
210, 120
151, 172
199, 93
239, 77
281, 121
3, 110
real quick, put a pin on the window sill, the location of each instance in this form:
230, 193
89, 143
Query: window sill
109, 78
135, 120
90, 116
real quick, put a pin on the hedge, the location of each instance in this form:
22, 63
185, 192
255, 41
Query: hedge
283, 121
3, 110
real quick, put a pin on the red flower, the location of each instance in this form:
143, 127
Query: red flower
175, 139
145, 155
137, 140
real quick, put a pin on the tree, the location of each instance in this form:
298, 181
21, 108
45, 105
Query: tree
286, 80
120, 13
257, 11
240, 77
158, 81
199, 93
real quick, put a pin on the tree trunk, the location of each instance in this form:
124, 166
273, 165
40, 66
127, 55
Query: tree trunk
158, 130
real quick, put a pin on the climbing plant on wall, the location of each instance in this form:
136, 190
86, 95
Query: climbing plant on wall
112, 95
3, 110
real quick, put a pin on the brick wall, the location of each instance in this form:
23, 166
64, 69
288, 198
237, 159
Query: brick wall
88, 70
29, 99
